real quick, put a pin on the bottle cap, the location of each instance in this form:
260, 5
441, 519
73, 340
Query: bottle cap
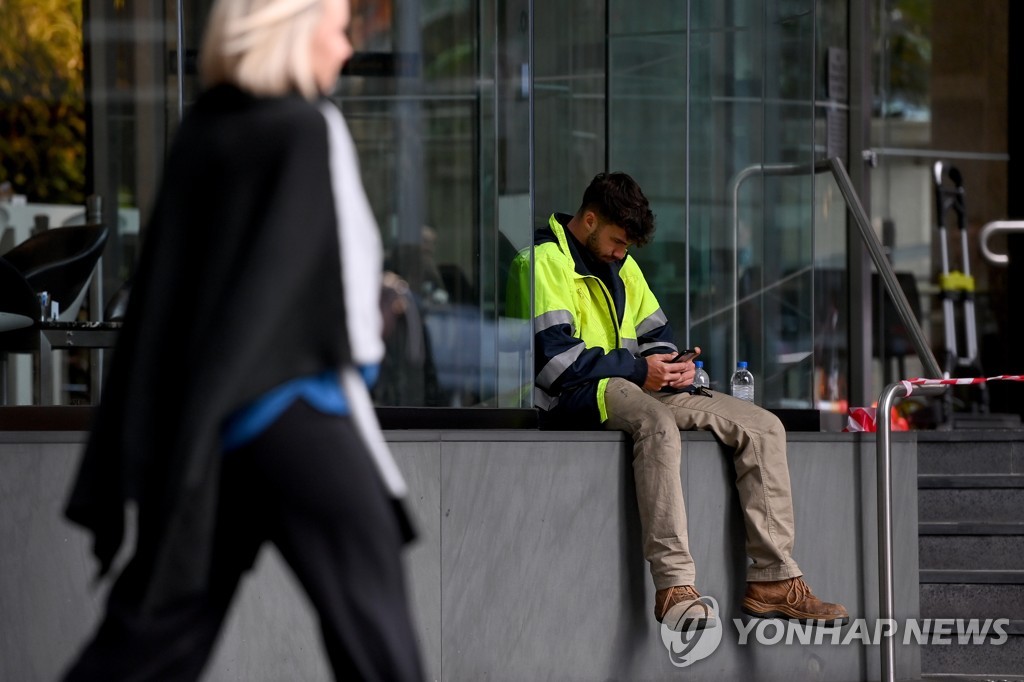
698, 363
742, 364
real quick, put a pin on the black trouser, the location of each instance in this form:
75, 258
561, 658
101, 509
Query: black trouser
308, 485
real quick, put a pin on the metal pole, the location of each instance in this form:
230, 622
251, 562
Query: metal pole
883, 463
734, 189
970, 318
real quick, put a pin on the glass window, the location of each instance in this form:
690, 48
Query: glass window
43, 150
475, 121
713, 108
941, 97
437, 107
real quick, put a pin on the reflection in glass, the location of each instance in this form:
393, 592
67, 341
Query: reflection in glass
475, 121
704, 98
433, 101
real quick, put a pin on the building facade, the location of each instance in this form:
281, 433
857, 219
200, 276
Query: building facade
476, 119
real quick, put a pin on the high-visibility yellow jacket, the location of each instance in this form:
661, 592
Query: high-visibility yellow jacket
585, 331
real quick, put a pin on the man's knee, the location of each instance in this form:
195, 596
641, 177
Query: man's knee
655, 421
759, 420
631, 406
771, 423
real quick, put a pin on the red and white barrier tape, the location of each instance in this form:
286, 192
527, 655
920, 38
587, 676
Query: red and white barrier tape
863, 418
910, 383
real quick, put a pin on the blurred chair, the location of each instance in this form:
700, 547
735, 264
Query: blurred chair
60, 262
19, 307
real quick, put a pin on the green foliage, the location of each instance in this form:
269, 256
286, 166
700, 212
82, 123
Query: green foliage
42, 106
903, 57
911, 49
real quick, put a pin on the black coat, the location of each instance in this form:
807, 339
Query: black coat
238, 289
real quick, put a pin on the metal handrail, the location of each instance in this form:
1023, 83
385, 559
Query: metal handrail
990, 229
734, 189
885, 271
868, 236
883, 426
883, 466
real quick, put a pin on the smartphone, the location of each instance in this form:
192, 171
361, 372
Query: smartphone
684, 356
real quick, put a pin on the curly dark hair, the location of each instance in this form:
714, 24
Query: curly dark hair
618, 199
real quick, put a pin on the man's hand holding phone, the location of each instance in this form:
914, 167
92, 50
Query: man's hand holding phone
685, 356
671, 372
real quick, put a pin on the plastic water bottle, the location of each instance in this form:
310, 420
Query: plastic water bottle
742, 384
701, 378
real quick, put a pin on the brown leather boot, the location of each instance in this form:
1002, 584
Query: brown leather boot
791, 599
682, 608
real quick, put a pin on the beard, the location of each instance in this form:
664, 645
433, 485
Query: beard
595, 249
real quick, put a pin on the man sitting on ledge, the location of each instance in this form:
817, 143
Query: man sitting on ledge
603, 357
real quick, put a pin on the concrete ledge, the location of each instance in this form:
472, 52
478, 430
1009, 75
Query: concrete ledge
528, 566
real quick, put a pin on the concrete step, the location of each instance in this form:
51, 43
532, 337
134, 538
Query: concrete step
994, 505
991, 505
970, 481
992, 662
943, 677
970, 541
970, 498
970, 528
971, 452
971, 552
944, 600
972, 577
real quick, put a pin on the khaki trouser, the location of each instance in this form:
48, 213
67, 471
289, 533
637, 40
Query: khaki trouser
762, 476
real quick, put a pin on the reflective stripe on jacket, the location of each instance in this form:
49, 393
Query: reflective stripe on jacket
584, 331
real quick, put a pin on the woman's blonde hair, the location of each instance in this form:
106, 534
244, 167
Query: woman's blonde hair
262, 46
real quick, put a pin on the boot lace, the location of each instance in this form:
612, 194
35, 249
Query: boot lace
798, 592
684, 592
678, 594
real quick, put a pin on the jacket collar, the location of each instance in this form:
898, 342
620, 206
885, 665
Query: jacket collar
556, 231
